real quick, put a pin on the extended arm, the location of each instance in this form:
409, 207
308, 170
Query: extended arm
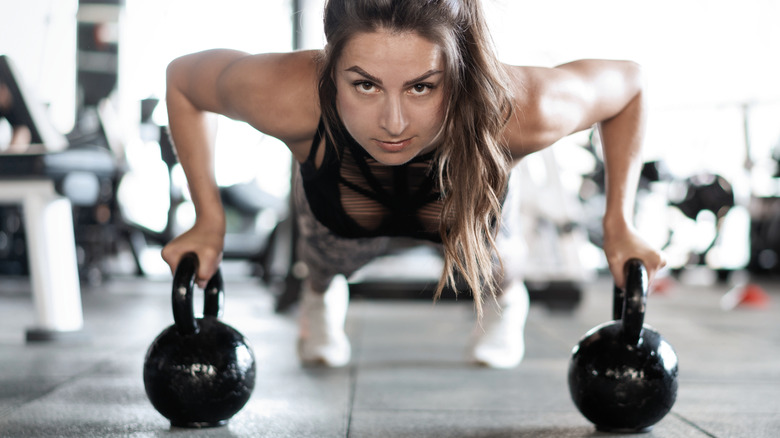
555, 102
272, 92
192, 99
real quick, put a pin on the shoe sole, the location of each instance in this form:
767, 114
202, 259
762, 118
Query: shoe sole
316, 362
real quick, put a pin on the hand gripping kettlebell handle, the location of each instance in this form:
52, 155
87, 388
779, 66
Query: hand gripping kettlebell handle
629, 303
181, 297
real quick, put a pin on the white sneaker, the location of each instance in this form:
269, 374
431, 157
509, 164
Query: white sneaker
498, 341
322, 341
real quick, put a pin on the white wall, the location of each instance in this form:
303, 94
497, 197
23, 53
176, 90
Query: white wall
40, 38
156, 32
704, 60
698, 51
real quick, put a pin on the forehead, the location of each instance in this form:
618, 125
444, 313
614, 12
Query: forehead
387, 51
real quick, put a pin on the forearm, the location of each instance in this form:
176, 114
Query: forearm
622, 138
611, 95
192, 132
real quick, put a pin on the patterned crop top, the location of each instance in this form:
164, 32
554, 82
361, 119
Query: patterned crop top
355, 196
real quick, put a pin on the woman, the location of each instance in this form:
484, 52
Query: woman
405, 125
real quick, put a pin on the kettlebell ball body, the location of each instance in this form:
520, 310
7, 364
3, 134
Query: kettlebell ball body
198, 372
623, 374
620, 387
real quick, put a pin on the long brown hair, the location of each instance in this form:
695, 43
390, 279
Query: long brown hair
473, 167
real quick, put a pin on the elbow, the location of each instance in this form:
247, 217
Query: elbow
635, 77
638, 84
629, 96
174, 73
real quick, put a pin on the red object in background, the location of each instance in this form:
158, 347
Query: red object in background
748, 295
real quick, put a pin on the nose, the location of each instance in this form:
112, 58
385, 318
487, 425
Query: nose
393, 118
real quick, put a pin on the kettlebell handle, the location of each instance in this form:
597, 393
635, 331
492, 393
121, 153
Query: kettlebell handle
181, 297
629, 303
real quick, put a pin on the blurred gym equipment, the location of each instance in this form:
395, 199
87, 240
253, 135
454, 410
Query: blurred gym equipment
47, 180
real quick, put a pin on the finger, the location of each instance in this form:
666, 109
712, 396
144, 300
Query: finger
658, 262
619, 276
204, 275
172, 262
650, 276
171, 257
207, 269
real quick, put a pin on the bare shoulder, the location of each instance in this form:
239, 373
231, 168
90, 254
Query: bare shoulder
275, 92
538, 118
552, 102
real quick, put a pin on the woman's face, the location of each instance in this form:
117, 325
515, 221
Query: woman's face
390, 94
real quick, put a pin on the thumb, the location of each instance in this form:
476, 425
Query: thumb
617, 267
619, 276
206, 269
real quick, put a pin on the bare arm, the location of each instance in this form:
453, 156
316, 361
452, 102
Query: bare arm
275, 93
553, 103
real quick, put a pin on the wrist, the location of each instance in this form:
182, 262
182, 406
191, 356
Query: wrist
212, 222
615, 224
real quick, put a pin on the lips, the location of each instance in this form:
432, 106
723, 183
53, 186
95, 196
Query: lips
393, 146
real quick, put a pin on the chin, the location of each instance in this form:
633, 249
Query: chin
391, 159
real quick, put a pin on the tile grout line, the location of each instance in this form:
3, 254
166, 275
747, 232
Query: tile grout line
353, 372
351, 403
692, 424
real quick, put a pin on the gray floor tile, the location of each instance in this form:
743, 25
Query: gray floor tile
435, 423
409, 375
538, 387
733, 425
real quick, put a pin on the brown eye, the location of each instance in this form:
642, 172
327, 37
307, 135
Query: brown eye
421, 89
365, 86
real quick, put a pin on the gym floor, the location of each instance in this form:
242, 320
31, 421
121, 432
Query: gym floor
408, 377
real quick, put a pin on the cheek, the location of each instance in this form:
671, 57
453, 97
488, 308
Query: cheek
434, 117
352, 114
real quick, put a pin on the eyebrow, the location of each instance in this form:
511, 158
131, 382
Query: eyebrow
372, 78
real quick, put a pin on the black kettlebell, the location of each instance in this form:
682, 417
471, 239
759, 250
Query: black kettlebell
622, 373
198, 372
